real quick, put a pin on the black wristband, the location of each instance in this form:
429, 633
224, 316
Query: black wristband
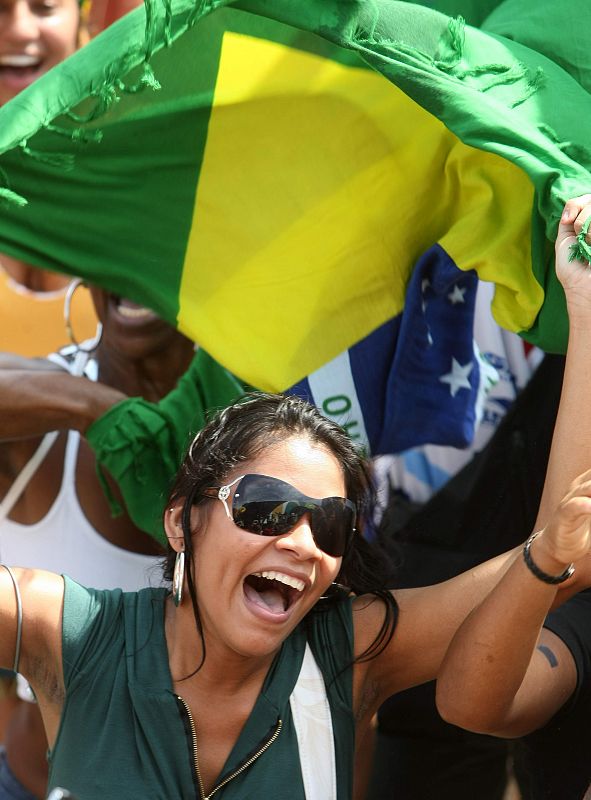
539, 573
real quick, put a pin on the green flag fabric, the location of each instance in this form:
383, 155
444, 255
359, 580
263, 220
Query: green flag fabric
267, 174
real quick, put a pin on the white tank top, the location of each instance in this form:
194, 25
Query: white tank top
64, 541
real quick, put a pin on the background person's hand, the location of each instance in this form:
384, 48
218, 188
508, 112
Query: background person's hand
567, 536
574, 275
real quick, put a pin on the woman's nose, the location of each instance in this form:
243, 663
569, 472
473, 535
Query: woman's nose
300, 540
20, 24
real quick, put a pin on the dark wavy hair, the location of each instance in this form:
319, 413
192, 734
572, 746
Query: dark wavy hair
243, 431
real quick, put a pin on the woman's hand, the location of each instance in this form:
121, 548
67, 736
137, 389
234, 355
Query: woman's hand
567, 536
574, 275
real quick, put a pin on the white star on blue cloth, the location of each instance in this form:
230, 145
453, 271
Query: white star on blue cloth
457, 296
458, 377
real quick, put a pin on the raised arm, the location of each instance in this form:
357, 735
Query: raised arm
570, 452
430, 616
503, 674
37, 396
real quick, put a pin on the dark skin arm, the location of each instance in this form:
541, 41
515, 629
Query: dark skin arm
37, 396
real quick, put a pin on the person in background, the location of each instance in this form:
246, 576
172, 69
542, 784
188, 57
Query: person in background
512, 670
53, 512
439, 518
35, 35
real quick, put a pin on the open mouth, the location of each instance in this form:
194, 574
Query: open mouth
20, 66
130, 310
273, 591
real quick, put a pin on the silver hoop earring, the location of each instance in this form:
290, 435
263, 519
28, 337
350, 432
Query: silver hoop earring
92, 344
178, 578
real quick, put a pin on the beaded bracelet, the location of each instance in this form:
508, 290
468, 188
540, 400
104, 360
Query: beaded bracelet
539, 573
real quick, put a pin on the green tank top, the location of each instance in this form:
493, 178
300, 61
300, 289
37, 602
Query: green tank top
123, 733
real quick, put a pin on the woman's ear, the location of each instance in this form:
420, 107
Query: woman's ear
173, 524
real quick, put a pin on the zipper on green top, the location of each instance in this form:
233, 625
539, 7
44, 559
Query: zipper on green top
239, 770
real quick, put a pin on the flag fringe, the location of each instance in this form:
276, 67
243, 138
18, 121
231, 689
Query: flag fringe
76, 134
449, 60
105, 97
581, 250
159, 22
63, 161
7, 196
534, 84
452, 45
453, 42
577, 152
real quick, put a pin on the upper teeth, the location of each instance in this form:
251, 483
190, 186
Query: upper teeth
271, 575
21, 60
129, 311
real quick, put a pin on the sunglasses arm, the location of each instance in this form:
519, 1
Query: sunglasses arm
222, 493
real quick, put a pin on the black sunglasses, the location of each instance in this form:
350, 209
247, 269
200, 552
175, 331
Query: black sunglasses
270, 507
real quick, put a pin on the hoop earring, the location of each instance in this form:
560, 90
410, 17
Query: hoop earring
178, 578
92, 344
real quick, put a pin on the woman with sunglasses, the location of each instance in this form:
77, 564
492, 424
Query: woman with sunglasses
254, 677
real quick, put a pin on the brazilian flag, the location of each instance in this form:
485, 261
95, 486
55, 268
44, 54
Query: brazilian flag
268, 174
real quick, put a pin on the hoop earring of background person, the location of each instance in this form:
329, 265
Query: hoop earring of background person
32, 323
91, 344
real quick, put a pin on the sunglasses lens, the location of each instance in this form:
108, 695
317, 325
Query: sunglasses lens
267, 517
270, 507
332, 525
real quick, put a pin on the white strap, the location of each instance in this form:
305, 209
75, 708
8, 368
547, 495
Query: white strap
313, 724
25, 475
76, 367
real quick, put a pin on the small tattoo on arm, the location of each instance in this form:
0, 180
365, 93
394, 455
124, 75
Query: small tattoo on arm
544, 650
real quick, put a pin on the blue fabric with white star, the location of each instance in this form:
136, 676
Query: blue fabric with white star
418, 378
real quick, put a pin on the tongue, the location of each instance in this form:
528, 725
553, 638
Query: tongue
19, 72
271, 599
